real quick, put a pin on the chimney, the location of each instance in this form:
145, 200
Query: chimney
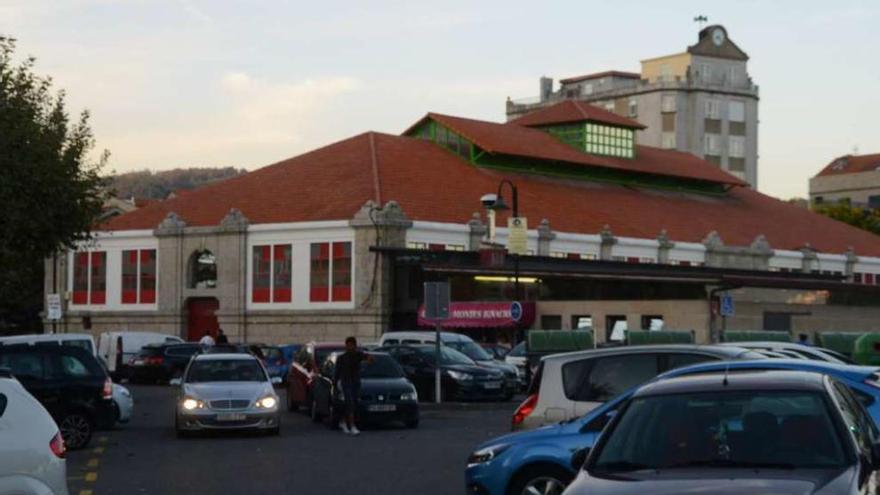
546, 88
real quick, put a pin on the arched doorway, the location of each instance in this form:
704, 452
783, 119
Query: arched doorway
201, 317
202, 270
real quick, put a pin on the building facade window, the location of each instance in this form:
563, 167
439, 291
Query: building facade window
330, 272
90, 277
736, 111
610, 141
633, 107
733, 75
139, 276
737, 146
587, 89
705, 72
667, 103
713, 109
668, 141
711, 144
272, 277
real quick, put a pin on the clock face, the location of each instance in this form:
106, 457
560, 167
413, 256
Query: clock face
718, 37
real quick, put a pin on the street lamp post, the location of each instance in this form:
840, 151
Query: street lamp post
499, 204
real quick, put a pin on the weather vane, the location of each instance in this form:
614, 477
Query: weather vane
701, 19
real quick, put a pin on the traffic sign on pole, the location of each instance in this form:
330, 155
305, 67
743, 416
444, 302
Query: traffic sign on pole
437, 309
53, 307
518, 235
727, 308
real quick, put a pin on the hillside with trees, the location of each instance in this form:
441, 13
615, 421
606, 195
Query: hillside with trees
147, 184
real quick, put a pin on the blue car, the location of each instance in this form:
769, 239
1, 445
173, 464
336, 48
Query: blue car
540, 461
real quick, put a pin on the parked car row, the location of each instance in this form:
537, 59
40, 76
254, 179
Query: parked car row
723, 413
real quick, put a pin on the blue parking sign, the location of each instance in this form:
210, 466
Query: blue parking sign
726, 305
516, 311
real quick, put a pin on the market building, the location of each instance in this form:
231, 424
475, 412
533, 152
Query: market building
339, 240
852, 179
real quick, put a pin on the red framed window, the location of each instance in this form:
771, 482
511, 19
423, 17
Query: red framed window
319, 277
81, 278
98, 278
869, 278
437, 247
342, 271
632, 259
129, 277
262, 282
281, 273
148, 276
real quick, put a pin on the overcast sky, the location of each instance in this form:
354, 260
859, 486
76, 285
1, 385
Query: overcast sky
178, 83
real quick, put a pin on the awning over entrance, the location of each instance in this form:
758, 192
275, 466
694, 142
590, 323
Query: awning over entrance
485, 314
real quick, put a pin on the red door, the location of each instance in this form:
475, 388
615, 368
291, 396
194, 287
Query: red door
202, 318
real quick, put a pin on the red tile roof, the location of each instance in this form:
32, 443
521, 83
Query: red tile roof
517, 140
432, 184
596, 75
852, 164
574, 111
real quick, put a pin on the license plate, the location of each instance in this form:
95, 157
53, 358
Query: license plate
382, 408
231, 417
492, 385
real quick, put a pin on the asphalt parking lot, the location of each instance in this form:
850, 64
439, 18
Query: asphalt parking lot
145, 456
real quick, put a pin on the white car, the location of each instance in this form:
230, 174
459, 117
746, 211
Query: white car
124, 403
117, 348
31, 449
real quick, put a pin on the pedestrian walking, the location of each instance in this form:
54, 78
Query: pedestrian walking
207, 340
347, 378
804, 339
221, 337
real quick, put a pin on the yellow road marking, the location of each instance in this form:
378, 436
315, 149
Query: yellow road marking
93, 463
85, 492
98, 450
91, 477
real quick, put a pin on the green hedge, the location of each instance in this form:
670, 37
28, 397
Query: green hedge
645, 337
755, 336
553, 341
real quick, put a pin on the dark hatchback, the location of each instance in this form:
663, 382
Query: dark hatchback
69, 382
778, 432
461, 377
386, 393
161, 362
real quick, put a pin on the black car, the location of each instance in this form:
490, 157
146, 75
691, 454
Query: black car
386, 393
461, 377
161, 362
69, 382
781, 432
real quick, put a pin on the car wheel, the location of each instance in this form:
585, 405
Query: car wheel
316, 416
76, 429
546, 480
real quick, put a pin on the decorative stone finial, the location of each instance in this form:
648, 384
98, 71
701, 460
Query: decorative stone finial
234, 220
713, 240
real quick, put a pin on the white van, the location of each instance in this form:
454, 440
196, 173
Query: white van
116, 348
84, 340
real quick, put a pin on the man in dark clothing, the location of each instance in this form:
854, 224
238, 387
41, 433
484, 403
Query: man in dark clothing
347, 377
221, 337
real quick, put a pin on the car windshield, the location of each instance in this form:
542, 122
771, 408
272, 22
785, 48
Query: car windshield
321, 354
753, 429
272, 353
381, 367
470, 349
448, 356
225, 370
519, 350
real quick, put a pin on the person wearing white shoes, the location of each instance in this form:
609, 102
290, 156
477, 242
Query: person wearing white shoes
348, 379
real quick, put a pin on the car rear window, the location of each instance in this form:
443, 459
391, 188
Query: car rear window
272, 353
600, 379
81, 343
183, 350
535, 385
151, 351
24, 364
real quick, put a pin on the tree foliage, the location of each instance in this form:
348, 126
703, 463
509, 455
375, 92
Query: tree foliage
50, 189
863, 218
158, 185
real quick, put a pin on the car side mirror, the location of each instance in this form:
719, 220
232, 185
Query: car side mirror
579, 458
175, 382
276, 380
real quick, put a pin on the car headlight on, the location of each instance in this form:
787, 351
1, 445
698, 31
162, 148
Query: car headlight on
267, 402
460, 376
485, 455
410, 396
191, 404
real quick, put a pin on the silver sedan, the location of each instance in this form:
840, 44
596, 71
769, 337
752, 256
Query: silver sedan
226, 392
